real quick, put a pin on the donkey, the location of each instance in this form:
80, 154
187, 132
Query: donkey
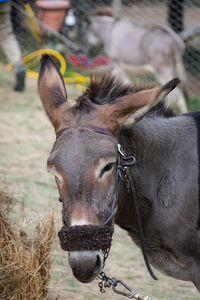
165, 175
131, 46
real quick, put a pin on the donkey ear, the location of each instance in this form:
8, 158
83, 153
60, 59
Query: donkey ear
51, 89
131, 108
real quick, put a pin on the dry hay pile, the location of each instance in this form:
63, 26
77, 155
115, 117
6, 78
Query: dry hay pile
24, 261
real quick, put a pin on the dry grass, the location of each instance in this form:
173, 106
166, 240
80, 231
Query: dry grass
26, 137
24, 260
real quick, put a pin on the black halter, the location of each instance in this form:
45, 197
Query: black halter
120, 173
123, 172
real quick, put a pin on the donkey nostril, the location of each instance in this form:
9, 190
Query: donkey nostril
98, 264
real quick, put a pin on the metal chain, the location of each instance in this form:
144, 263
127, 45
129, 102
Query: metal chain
107, 282
105, 255
102, 276
104, 282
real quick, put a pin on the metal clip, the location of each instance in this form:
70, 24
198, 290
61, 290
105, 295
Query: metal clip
107, 282
129, 161
129, 295
131, 158
120, 150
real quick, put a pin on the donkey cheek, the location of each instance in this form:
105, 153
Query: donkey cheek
102, 201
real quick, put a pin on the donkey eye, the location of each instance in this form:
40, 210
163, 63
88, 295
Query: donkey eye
107, 168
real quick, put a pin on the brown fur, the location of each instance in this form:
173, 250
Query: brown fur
81, 211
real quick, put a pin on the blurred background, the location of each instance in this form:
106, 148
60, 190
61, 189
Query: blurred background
69, 23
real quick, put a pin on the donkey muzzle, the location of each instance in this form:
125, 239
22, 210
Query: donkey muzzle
86, 265
85, 245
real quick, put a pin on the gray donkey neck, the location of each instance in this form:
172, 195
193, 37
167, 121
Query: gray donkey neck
105, 26
166, 178
110, 29
166, 152
159, 138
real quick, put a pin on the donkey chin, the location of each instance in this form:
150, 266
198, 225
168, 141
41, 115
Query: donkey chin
86, 265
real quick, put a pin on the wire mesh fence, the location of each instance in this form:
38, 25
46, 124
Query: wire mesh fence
180, 15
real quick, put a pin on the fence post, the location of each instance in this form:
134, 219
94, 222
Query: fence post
116, 4
175, 15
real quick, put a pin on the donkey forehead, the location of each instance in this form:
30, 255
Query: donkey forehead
81, 148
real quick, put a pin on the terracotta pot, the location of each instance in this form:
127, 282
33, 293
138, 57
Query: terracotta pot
52, 13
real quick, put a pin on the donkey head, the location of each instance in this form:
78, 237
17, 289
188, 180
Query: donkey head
101, 21
84, 154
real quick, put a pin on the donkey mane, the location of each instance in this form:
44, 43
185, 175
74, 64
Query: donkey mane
106, 89
161, 110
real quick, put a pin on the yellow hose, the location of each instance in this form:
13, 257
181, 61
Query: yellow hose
75, 78
33, 25
35, 56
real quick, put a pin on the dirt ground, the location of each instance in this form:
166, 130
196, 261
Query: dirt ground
26, 137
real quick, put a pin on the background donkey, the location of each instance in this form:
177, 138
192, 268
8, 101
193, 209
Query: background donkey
166, 173
131, 46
